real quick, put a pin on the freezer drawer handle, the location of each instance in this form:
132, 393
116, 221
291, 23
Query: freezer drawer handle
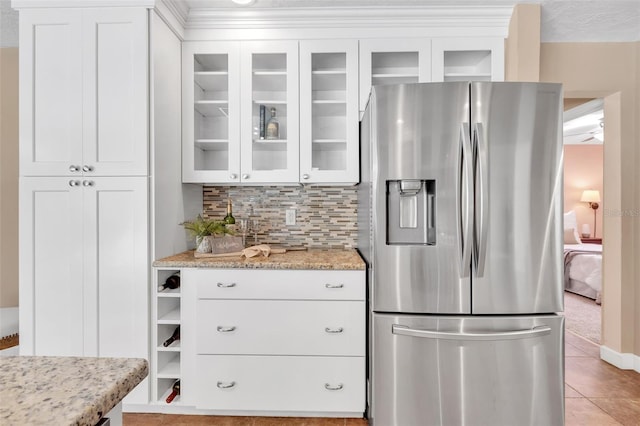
334, 330
226, 285
223, 329
488, 335
226, 385
329, 386
334, 285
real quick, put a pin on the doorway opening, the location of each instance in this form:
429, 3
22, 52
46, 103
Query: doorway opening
583, 137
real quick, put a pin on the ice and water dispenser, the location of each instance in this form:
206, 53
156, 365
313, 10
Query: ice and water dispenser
411, 212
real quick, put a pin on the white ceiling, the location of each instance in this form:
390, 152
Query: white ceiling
562, 20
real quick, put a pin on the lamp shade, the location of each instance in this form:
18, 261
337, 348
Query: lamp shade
590, 196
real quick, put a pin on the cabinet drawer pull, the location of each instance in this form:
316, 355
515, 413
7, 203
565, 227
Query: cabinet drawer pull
334, 330
226, 385
331, 387
334, 285
74, 168
226, 285
223, 329
87, 168
74, 182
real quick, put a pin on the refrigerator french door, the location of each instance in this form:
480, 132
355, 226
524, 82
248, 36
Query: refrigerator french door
461, 201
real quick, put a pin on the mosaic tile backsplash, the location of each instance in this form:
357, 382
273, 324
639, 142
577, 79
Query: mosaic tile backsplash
326, 217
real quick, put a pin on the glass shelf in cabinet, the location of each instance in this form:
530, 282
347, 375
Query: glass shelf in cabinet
209, 108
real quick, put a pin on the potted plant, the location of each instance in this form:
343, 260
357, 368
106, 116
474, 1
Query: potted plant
201, 228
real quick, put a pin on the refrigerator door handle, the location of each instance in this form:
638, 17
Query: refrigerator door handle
465, 200
538, 331
482, 199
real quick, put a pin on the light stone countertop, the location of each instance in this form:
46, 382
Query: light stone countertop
327, 259
38, 390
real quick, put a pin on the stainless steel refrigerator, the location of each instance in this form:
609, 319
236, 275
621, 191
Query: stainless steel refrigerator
460, 222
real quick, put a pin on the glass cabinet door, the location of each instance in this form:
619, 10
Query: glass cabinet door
464, 59
393, 61
329, 111
211, 111
270, 150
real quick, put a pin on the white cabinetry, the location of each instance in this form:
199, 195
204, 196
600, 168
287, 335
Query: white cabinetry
94, 205
277, 341
329, 136
73, 300
465, 59
83, 92
222, 139
165, 360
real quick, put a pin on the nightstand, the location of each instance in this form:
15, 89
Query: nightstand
591, 240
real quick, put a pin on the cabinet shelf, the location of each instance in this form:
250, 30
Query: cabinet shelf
341, 71
466, 75
174, 347
212, 80
270, 72
269, 102
212, 108
212, 144
172, 292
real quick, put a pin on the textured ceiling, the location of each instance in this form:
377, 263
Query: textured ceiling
562, 20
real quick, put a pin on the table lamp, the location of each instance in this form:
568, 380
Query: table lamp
592, 196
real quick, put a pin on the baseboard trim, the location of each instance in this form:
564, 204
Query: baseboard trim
624, 361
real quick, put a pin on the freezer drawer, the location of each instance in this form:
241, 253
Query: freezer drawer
463, 370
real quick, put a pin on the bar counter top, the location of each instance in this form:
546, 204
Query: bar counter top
325, 259
44, 390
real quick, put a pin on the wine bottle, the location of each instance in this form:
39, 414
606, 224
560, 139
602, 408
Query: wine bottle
175, 336
175, 391
261, 123
273, 126
229, 219
172, 282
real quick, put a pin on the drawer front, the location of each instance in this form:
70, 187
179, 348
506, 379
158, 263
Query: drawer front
280, 327
276, 284
314, 384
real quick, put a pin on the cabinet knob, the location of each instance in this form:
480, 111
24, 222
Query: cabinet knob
87, 168
87, 183
329, 386
225, 329
233, 176
226, 385
74, 182
305, 176
245, 176
226, 285
333, 330
73, 168
328, 285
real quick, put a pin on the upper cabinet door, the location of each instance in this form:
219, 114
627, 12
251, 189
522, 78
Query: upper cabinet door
83, 92
270, 140
50, 92
115, 97
211, 112
468, 59
393, 61
329, 111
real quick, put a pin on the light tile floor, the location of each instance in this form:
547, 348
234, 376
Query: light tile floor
596, 394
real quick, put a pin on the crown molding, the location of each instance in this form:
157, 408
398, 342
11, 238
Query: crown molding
27, 4
178, 9
349, 17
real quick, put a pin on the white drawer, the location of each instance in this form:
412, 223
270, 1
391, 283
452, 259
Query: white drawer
313, 384
280, 327
276, 284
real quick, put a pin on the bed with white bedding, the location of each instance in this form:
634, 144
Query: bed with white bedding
583, 270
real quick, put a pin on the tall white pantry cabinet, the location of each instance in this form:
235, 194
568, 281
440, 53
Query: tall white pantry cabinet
99, 183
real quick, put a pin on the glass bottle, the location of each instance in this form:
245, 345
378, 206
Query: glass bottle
273, 127
229, 219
